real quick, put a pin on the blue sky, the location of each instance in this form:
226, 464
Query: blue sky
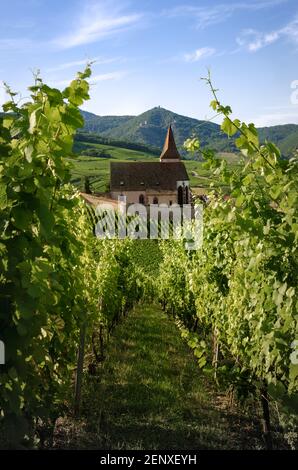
151, 53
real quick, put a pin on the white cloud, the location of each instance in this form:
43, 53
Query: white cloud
253, 40
97, 22
210, 15
199, 54
107, 76
77, 63
278, 108
274, 119
93, 79
291, 30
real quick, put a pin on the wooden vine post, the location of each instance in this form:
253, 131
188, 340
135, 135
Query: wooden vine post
79, 373
266, 417
215, 348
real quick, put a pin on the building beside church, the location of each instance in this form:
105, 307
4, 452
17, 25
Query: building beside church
163, 182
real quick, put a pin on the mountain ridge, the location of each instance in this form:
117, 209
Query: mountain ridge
150, 127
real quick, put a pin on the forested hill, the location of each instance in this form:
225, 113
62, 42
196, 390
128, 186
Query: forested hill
149, 128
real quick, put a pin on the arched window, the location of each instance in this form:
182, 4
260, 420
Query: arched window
180, 195
155, 200
141, 199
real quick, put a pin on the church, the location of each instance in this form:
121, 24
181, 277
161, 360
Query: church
163, 182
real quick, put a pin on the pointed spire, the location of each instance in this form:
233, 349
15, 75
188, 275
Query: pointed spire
169, 151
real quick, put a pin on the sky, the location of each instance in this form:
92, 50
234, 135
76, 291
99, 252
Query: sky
154, 53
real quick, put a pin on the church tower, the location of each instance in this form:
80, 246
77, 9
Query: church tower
171, 155
169, 152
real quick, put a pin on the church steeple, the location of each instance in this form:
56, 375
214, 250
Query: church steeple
169, 152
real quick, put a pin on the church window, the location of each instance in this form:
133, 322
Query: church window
180, 195
186, 195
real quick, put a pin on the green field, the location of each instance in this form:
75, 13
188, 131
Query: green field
98, 168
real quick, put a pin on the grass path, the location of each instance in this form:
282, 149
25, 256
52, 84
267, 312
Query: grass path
150, 394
